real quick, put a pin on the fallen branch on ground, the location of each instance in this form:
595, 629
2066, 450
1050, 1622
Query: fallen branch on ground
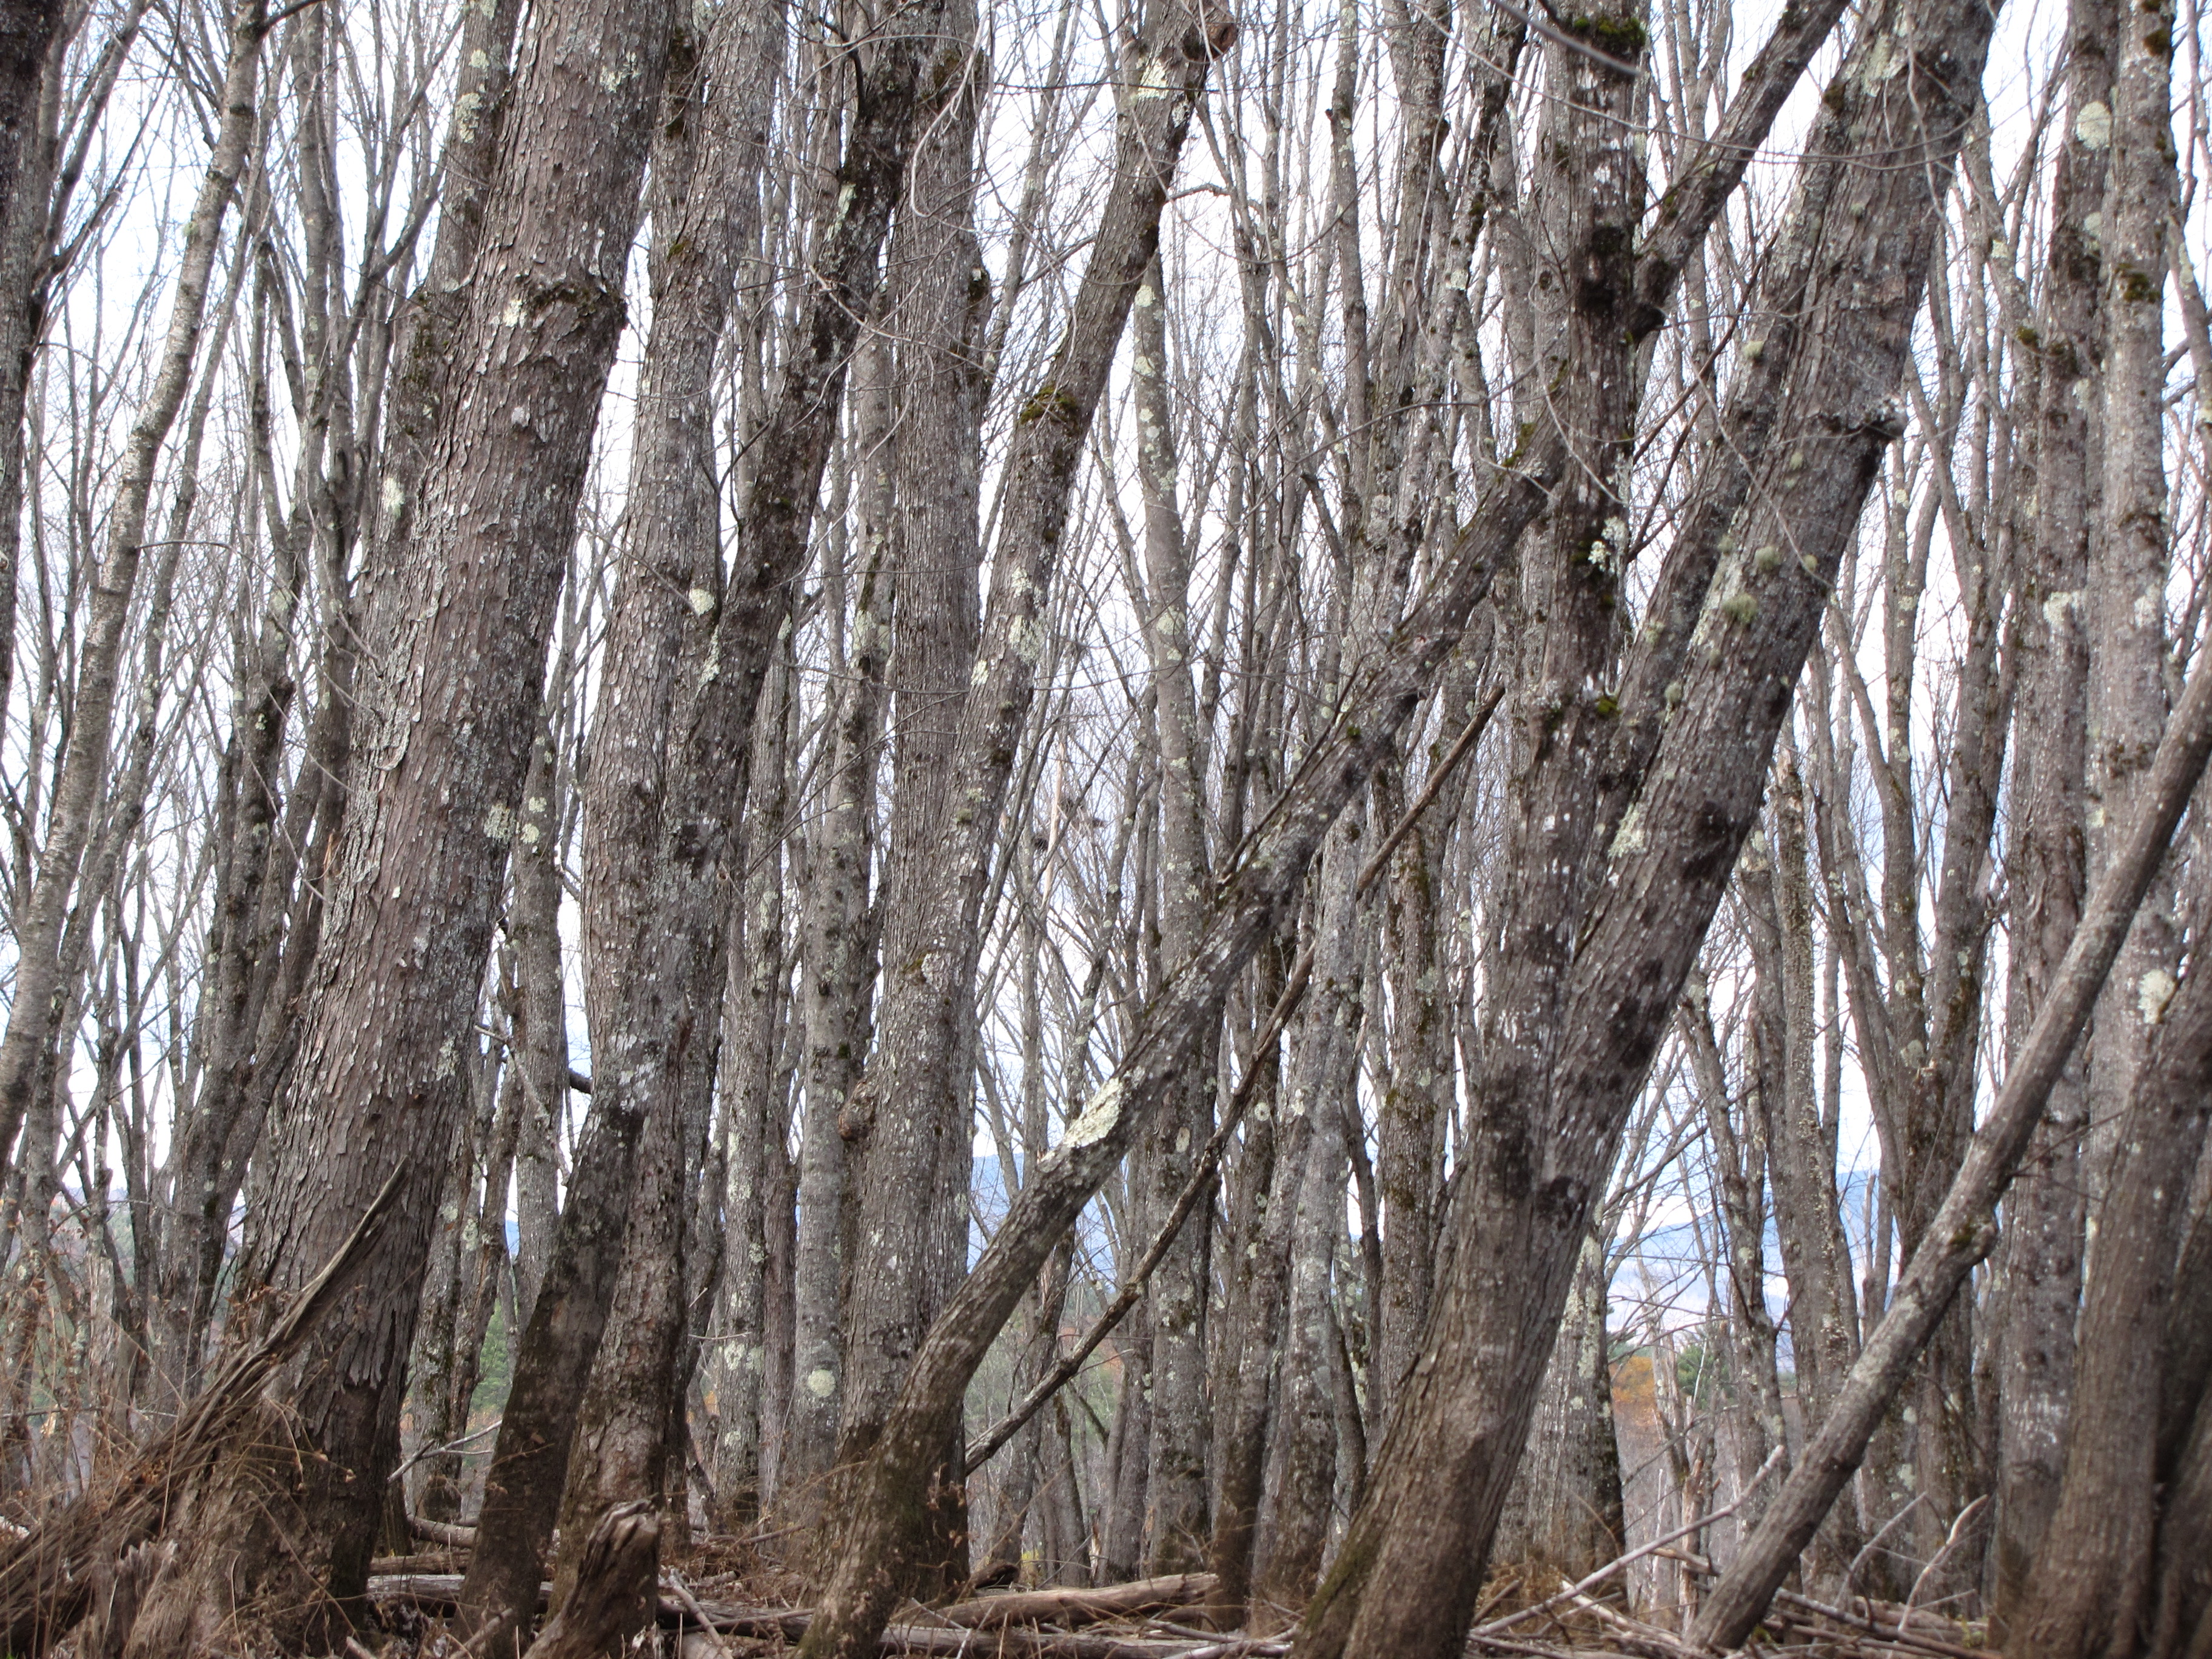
442, 1532
679, 1608
1080, 1605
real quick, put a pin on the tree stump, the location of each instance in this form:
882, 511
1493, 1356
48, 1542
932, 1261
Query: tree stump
615, 1583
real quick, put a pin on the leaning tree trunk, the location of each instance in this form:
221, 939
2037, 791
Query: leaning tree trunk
653, 865
462, 623
753, 1128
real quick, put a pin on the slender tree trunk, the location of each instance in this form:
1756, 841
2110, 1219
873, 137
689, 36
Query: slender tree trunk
2130, 551
908, 1122
2047, 874
837, 933
1177, 1480
44, 911
1801, 1162
1324, 1073
537, 1030
753, 1130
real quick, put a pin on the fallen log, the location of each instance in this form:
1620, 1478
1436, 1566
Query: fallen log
453, 1537
1080, 1605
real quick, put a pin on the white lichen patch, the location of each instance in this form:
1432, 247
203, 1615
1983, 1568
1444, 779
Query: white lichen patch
499, 824
821, 1383
2152, 991
1099, 1117
1630, 840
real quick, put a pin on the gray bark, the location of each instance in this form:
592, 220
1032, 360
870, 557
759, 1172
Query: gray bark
1564, 1512
2044, 1212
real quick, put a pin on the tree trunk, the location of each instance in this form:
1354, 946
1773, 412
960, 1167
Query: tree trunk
752, 1040
27, 28
2047, 873
907, 1123
2092, 1592
30, 101
1564, 1512
838, 928
463, 623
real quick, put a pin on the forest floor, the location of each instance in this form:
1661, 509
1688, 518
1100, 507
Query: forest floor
713, 1607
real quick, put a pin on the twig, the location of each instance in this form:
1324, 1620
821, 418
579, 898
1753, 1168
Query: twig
1655, 1546
1950, 1543
1438, 779
491, 1427
691, 1605
980, 1451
